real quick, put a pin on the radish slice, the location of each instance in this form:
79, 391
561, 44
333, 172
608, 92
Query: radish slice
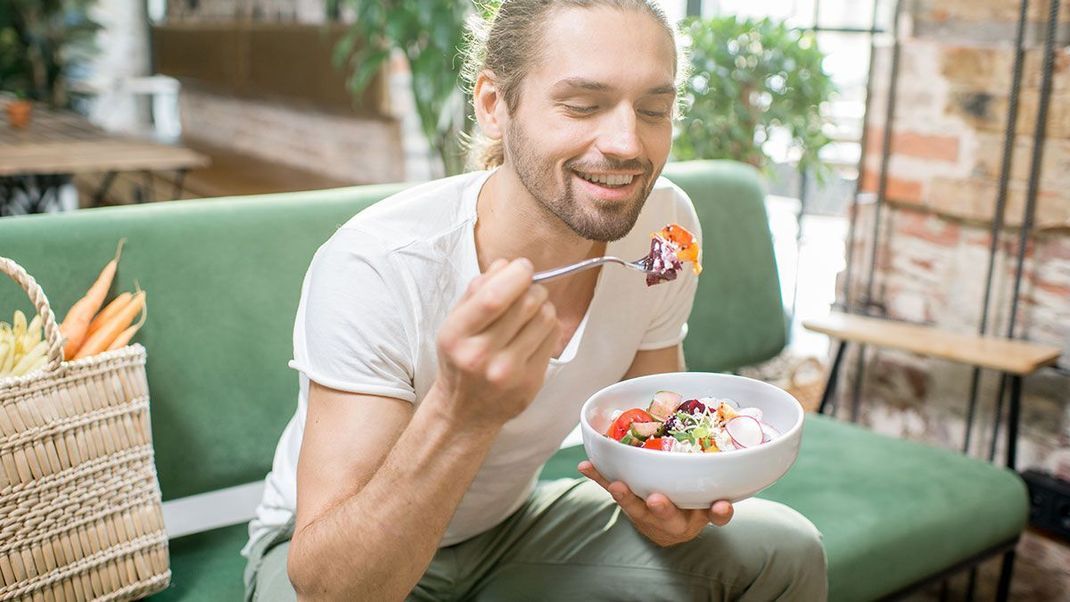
755, 413
769, 432
745, 431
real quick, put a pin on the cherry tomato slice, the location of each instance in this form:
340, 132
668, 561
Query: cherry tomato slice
689, 250
659, 443
620, 426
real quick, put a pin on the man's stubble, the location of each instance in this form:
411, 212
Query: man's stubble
612, 221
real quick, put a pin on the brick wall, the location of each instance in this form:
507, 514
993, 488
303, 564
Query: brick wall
943, 175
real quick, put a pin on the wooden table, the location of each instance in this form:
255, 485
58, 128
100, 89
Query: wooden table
59, 144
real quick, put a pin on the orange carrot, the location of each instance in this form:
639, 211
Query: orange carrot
109, 331
124, 337
76, 323
109, 311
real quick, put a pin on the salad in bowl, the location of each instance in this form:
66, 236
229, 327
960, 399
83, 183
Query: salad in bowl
696, 437
706, 425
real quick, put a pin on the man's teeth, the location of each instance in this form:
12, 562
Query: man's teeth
607, 179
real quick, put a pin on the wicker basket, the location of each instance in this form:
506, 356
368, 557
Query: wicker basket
80, 515
807, 383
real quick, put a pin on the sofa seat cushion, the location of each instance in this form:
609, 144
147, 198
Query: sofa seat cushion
207, 566
892, 512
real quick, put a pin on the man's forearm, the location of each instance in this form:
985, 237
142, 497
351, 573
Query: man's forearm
378, 543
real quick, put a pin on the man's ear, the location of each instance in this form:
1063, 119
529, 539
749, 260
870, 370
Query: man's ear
489, 105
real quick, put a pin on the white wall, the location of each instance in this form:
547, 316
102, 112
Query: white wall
123, 53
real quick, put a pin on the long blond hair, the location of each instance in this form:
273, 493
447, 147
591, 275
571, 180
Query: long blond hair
507, 43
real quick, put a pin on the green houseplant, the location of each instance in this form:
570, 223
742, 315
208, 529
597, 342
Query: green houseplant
430, 34
747, 78
41, 41
42, 44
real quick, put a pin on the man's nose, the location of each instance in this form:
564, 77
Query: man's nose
619, 137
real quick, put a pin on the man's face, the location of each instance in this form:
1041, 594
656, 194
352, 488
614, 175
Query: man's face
593, 125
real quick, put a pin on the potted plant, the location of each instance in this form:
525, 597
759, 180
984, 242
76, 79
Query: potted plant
40, 42
18, 112
429, 34
749, 78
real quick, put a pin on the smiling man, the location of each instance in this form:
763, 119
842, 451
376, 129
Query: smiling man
436, 378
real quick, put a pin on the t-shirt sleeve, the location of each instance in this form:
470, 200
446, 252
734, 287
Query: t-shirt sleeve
668, 325
350, 332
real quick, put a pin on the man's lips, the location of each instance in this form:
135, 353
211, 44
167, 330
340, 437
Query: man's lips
607, 191
608, 177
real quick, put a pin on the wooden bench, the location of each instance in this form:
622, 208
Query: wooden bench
1014, 358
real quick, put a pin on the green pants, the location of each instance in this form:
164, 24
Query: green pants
571, 541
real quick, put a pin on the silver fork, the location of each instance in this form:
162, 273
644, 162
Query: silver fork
579, 266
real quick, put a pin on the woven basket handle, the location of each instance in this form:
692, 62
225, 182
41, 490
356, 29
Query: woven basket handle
40, 301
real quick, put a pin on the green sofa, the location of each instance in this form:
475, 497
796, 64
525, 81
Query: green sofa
224, 275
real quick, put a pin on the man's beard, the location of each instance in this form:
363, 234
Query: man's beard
608, 221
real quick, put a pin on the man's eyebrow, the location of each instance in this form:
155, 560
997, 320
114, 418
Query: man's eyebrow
666, 89
591, 85
582, 84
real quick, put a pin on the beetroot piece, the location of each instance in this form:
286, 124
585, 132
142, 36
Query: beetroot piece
662, 261
692, 406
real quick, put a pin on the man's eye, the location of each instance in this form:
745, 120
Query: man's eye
582, 109
655, 114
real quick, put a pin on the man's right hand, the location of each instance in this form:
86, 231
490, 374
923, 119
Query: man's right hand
354, 538
494, 346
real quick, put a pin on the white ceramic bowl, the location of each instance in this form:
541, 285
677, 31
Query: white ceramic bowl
693, 480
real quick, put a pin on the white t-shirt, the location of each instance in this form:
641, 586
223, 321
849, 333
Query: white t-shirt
378, 290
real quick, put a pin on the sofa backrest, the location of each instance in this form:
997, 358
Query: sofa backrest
224, 276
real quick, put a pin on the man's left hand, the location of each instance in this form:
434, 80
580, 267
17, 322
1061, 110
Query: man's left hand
657, 518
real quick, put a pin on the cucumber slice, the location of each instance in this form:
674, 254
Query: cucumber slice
664, 404
643, 430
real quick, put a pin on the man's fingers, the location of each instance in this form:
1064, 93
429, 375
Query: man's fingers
631, 503
523, 314
546, 347
493, 297
478, 281
519, 353
672, 518
588, 470
534, 331
661, 507
721, 513
617, 489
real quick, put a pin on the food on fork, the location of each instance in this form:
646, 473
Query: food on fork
669, 249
